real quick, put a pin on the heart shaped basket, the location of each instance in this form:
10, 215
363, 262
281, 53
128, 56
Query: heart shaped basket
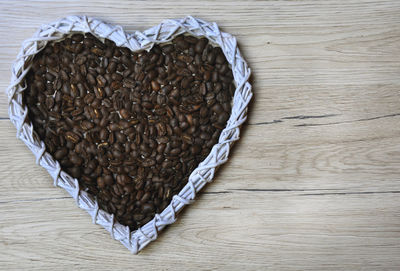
137, 41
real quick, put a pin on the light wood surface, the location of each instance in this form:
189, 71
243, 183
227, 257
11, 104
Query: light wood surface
314, 182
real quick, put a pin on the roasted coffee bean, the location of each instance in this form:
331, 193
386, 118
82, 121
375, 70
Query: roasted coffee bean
211, 58
50, 102
181, 44
214, 76
87, 125
101, 182
222, 118
155, 85
145, 197
124, 113
131, 127
200, 45
76, 160
72, 137
195, 149
121, 138
103, 135
175, 152
75, 172
91, 80
60, 153
148, 208
148, 162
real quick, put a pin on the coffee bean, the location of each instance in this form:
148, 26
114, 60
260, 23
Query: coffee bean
124, 113
211, 58
100, 182
186, 82
77, 37
190, 39
168, 49
138, 217
101, 81
217, 108
76, 160
214, 76
200, 45
75, 172
168, 193
121, 138
182, 44
195, 149
155, 86
72, 137
122, 179
147, 118
223, 117
97, 51
60, 153
148, 208
87, 125
175, 152
205, 136
145, 197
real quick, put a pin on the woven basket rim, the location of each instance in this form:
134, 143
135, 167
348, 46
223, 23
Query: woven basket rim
136, 41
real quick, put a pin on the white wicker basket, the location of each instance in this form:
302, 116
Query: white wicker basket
164, 32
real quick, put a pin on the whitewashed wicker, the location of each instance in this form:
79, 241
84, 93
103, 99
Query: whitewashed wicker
164, 32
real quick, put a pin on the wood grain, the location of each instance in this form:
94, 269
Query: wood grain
313, 184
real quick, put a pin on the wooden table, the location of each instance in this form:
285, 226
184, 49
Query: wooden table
314, 182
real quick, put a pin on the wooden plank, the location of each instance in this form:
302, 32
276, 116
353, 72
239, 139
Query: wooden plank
348, 161
313, 184
246, 230
284, 50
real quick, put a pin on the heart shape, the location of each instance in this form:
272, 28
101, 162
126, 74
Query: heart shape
136, 239
130, 127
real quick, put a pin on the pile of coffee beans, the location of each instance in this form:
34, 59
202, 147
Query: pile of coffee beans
131, 127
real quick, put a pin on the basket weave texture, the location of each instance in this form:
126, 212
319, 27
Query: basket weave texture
164, 32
